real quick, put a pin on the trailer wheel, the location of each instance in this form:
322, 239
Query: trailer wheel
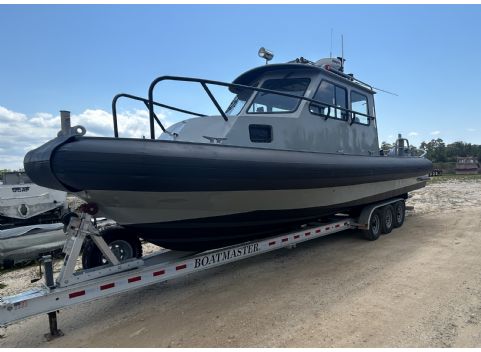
374, 226
399, 213
387, 219
123, 243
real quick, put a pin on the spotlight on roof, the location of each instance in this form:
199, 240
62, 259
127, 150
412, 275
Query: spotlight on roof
266, 54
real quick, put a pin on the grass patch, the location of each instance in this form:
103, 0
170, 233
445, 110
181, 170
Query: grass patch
2, 286
453, 177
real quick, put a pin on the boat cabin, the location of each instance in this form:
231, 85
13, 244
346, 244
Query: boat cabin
300, 105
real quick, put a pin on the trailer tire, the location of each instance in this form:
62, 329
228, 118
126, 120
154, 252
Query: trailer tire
125, 246
399, 213
387, 219
375, 223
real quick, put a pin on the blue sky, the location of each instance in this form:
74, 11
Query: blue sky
79, 57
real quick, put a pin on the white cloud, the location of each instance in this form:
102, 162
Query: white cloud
471, 129
413, 134
8, 115
435, 133
20, 133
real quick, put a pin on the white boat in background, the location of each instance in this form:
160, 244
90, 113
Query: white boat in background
23, 202
24, 243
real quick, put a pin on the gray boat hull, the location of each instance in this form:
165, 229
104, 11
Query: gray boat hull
202, 220
195, 196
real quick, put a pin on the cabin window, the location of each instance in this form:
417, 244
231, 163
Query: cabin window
335, 99
359, 107
265, 103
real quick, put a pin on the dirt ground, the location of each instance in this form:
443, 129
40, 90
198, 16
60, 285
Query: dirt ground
419, 286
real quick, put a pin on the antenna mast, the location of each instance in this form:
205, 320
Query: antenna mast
385, 91
330, 52
342, 52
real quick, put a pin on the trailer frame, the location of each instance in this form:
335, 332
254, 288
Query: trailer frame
74, 287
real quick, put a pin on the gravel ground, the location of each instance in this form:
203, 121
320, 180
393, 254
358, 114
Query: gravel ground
416, 287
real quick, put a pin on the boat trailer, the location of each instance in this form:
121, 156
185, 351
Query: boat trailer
72, 287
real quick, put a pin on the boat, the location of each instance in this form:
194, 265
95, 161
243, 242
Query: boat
298, 143
24, 203
30, 242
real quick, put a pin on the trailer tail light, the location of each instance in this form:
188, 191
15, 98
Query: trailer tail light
76, 294
134, 279
107, 286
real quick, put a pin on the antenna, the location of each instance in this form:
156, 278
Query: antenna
385, 91
374, 88
330, 52
342, 53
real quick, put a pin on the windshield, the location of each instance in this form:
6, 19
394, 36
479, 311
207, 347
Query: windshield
243, 95
274, 103
236, 105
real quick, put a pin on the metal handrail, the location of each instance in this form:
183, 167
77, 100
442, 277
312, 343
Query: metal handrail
146, 102
150, 103
350, 113
204, 83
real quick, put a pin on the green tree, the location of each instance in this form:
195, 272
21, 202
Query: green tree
436, 150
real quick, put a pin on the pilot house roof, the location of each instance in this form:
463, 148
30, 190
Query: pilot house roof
248, 77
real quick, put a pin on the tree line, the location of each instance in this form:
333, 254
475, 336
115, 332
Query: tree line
439, 152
